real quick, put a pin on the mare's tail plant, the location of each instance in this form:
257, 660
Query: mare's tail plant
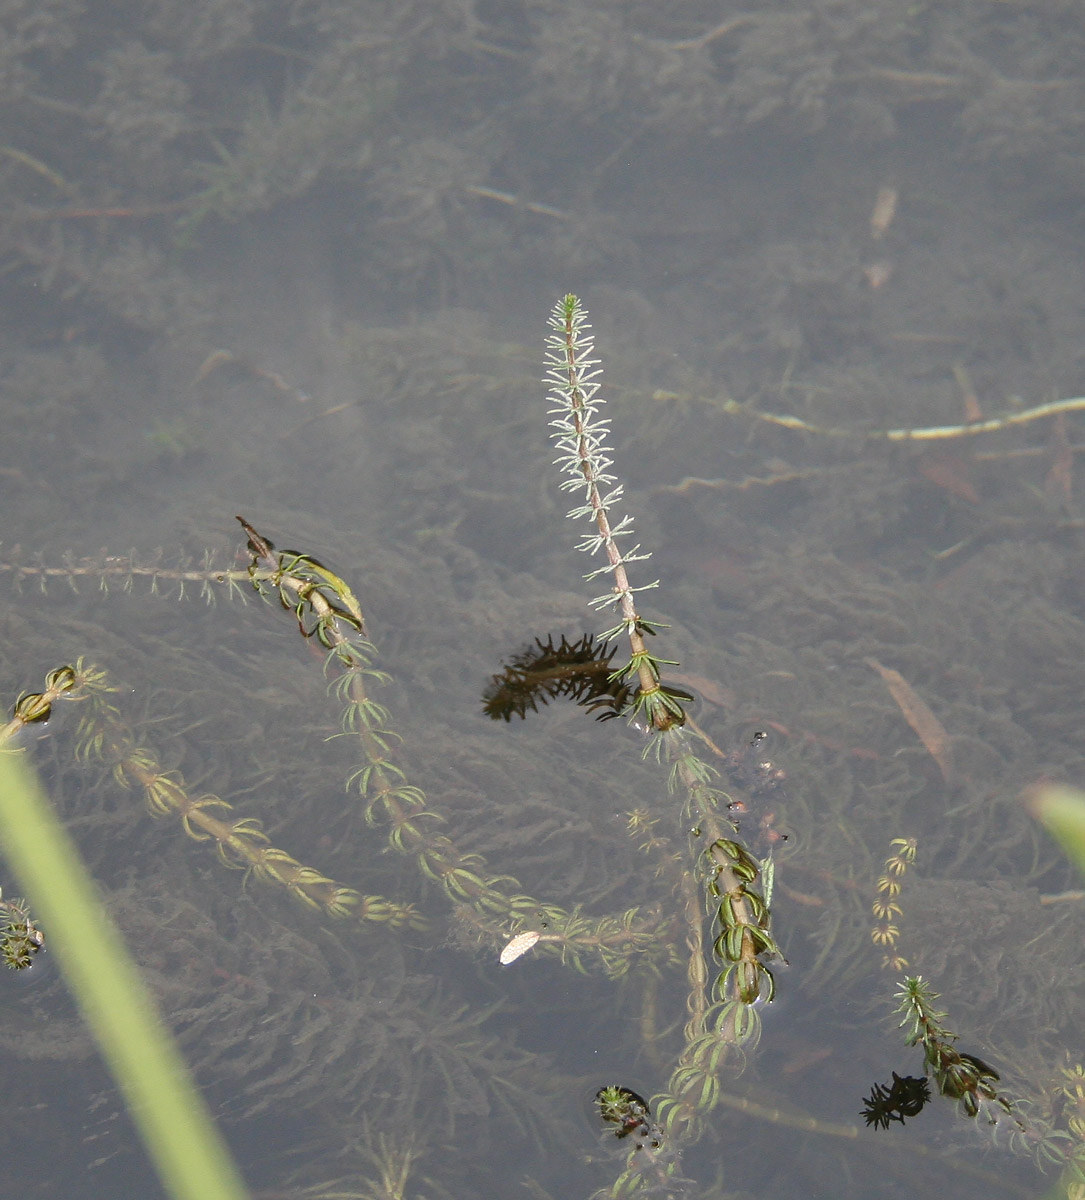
719, 925
723, 1017
580, 434
975, 1086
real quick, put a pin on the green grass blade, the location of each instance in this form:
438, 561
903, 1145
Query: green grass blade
1062, 811
188, 1151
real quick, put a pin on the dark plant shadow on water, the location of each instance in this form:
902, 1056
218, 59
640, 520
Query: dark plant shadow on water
295, 262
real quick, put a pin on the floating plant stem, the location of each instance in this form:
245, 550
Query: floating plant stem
326, 609
241, 843
723, 1019
977, 1089
932, 433
580, 433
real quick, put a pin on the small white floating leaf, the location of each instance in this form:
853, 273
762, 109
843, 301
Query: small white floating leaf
519, 945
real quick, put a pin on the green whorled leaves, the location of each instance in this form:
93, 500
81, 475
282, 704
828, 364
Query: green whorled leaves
625, 1111
326, 608
739, 911
322, 603
35, 708
742, 917
962, 1077
20, 938
327, 611
975, 1086
240, 843
580, 433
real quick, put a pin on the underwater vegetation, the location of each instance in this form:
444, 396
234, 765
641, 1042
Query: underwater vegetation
316, 1011
249, 259
434, 125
